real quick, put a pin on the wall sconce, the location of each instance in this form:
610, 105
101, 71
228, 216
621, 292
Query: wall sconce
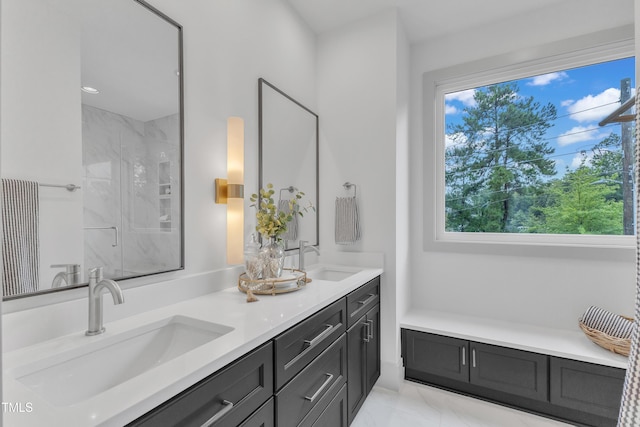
230, 191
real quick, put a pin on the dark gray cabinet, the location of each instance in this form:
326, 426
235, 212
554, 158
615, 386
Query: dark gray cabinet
298, 346
590, 388
516, 372
225, 398
306, 396
503, 369
335, 415
364, 359
297, 379
575, 391
434, 354
263, 417
360, 301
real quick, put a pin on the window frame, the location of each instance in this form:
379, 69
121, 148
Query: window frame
559, 56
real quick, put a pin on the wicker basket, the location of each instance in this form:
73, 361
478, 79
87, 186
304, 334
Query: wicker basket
617, 345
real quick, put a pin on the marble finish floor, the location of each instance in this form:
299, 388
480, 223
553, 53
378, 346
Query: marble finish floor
416, 405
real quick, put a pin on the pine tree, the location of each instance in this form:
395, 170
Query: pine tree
583, 204
499, 150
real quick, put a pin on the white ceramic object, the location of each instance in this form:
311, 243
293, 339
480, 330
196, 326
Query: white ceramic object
87, 371
332, 273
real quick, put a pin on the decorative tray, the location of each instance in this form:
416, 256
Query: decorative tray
290, 281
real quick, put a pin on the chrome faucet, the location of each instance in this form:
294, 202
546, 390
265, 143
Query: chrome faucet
302, 249
96, 285
71, 275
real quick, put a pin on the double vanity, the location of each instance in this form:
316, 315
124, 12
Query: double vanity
213, 358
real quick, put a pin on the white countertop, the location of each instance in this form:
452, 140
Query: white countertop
253, 323
570, 344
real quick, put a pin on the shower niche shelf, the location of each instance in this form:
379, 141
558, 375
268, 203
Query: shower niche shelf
164, 194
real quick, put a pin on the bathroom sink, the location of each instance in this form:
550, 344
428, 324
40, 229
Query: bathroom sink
80, 374
332, 274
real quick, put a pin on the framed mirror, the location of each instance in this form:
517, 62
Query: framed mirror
288, 157
92, 142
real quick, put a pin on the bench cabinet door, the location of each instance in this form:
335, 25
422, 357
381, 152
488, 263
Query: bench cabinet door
509, 370
436, 355
587, 387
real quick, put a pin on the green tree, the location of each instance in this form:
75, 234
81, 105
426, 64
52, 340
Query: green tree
582, 204
607, 162
500, 151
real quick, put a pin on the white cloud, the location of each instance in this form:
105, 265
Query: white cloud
579, 134
579, 158
451, 140
545, 79
450, 109
465, 96
593, 108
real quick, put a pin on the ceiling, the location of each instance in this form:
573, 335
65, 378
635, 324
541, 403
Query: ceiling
423, 19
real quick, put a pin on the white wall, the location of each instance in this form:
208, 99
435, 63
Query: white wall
536, 285
403, 194
358, 101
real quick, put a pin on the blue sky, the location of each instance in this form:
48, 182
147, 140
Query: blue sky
582, 96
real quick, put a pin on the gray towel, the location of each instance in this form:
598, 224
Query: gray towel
292, 226
347, 222
20, 237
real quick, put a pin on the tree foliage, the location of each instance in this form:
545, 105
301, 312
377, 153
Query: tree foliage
497, 151
500, 174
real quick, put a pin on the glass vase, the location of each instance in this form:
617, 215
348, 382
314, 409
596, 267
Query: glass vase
252, 259
272, 255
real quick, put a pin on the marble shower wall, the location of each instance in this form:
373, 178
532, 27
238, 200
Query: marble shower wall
131, 180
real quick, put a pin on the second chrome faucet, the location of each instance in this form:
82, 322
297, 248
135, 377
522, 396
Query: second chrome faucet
96, 285
302, 249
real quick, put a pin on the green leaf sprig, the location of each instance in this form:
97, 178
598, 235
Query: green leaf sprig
270, 221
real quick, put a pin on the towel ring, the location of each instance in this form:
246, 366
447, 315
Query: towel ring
347, 185
290, 189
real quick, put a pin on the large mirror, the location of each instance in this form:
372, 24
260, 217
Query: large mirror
92, 137
288, 151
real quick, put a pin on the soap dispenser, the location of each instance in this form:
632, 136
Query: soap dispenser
252, 261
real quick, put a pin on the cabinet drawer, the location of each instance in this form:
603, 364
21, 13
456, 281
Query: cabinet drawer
335, 415
309, 393
230, 394
587, 387
263, 417
362, 300
511, 371
436, 355
298, 346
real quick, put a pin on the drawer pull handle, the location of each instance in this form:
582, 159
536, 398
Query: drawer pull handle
365, 302
322, 387
473, 357
320, 336
367, 332
464, 356
370, 322
221, 413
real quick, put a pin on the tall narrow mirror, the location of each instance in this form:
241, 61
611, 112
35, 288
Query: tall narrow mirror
288, 147
92, 137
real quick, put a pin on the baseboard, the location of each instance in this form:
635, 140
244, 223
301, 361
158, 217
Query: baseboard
391, 376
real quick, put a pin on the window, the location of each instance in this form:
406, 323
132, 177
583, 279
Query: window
535, 152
